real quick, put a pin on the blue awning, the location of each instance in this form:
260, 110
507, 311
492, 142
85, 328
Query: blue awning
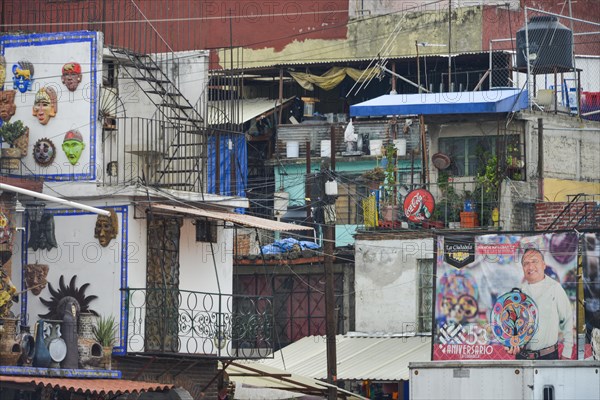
492, 101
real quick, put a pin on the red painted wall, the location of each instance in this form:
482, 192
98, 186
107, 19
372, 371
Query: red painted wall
184, 24
501, 23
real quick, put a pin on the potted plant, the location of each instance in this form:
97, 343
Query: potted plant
16, 135
105, 332
374, 177
390, 212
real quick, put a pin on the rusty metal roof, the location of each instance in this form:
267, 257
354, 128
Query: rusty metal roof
109, 387
241, 219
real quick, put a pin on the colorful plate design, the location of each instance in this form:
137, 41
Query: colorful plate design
514, 318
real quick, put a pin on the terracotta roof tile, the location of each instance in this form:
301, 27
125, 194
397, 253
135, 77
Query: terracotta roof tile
108, 387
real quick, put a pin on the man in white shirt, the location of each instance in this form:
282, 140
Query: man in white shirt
555, 314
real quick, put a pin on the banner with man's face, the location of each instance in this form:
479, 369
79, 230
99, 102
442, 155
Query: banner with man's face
481, 309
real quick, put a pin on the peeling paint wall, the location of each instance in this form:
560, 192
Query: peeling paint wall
386, 35
386, 275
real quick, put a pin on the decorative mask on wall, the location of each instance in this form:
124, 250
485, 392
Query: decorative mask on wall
41, 228
44, 152
73, 146
106, 228
23, 75
7, 104
2, 71
71, 75
36, 277
45, 105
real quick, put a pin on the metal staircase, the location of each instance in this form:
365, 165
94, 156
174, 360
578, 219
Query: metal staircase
581, 212
175, 163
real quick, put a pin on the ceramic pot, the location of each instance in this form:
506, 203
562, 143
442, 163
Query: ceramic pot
10, 158
10, 349
41, 357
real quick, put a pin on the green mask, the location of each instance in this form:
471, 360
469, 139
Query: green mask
73, 149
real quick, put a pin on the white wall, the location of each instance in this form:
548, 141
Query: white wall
386, 283
198, 272
79, 253
75, 110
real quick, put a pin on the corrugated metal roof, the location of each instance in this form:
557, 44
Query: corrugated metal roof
107, 387
250, 108
260, 375
241, 219
329, 62
358, 358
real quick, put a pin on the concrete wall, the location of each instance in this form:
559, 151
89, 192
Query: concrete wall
387, 282
386, 35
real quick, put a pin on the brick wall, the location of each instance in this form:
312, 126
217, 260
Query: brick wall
192, 375
583, 215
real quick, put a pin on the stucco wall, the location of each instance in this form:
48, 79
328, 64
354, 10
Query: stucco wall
386, 35
387, 283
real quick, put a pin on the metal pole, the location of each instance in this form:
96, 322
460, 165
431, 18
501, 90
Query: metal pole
491, 62
54, 199
449, 45
527, 61
329, 247
418, 67
541, 159
308, 183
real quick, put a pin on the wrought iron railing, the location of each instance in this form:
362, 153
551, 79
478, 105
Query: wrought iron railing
196, 323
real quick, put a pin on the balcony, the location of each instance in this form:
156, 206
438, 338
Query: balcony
172, 321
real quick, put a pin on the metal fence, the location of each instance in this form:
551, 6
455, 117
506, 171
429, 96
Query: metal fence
196, 323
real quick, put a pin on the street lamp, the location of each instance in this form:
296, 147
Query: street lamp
423, 44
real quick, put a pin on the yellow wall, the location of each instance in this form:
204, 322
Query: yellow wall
558, 189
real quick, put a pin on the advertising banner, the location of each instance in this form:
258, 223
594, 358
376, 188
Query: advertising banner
501, 297
591, 288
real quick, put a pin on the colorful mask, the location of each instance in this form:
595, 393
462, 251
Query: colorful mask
106, 228
45, 105
7, 104
44, 152
23, 76
71, 75
73, 146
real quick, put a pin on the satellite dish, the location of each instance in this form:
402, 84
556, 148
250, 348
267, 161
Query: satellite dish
441, 161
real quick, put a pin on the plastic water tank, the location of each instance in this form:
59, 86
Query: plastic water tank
550, 46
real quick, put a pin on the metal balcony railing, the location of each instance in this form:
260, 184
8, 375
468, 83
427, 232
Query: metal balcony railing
194, 323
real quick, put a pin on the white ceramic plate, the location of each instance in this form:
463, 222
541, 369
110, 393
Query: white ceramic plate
57, 349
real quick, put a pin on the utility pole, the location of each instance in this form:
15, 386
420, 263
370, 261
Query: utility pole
450, 45
329, 247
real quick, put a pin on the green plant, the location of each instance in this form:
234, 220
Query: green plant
105, 331
11, 131
448, 206
390, 173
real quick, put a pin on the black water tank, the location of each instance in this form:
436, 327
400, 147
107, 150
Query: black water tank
550, 46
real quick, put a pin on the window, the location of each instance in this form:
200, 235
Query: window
548, 392
425, 295
206, 231
467, 153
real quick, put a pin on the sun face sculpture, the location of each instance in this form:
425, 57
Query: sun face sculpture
67, 291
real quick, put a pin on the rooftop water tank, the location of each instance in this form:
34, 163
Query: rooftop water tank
550, 46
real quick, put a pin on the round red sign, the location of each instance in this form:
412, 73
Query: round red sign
419, 205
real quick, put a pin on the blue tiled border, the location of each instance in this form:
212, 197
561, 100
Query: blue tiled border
41, 39
124, 211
